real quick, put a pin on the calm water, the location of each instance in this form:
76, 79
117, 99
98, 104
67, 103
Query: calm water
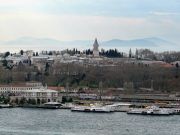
19, 121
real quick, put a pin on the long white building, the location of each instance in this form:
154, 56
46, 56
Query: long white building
30, 91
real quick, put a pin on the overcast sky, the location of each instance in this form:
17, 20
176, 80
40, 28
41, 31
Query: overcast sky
86, 19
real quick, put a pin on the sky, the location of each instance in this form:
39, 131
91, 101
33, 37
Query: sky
86, 19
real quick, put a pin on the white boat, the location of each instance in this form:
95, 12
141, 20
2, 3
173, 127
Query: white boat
100, 109
78, 108
151, 110
176, 111
154, 110
5, 106
120, 107
136, 111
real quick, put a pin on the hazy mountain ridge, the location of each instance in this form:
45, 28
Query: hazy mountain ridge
144, 42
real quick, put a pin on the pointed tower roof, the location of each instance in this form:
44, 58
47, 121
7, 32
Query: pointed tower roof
96, 43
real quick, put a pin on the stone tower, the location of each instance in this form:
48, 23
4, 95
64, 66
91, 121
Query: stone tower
96, 48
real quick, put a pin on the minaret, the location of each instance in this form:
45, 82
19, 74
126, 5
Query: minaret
96, 48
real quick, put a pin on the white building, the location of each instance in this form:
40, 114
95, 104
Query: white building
41, 94
30, 91
16, 60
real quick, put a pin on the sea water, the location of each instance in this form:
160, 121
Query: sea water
19, 121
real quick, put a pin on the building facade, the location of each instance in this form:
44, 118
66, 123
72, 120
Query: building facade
30, 91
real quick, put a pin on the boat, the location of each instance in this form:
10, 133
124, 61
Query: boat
51, 105
92, 108
5, 106
103, 109
136, 111
151, 110
78, 108
176, 111
120, 107
155, 110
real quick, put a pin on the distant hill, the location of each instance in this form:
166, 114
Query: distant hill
32, 41
145, 42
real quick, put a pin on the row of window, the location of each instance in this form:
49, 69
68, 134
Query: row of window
15, 88
32, 94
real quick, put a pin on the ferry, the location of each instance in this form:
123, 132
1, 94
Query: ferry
154, 110
176, 111
136, 111
78, 108
95, 109
103, 109
120, 107
151, 110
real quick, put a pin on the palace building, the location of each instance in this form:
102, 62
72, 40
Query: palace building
32, 90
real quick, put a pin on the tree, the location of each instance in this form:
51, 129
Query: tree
47, 69
5, 63
112, 53
177, 70
177, 65
6, 54
50, 53
21, 52
37, 54
130, 53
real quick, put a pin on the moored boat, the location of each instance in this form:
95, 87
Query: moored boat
136, 111
78, 108
151, 110
120, 107
95, 109
176, 111
154, 110
51, 105
5, 106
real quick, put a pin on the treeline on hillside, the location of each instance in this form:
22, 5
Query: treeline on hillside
168, 56
163, 78
111, 53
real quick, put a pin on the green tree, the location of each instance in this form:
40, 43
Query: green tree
130, 53
6, 54
21, 52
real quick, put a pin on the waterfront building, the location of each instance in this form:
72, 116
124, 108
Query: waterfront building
16, 88
41, 95
31, 90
